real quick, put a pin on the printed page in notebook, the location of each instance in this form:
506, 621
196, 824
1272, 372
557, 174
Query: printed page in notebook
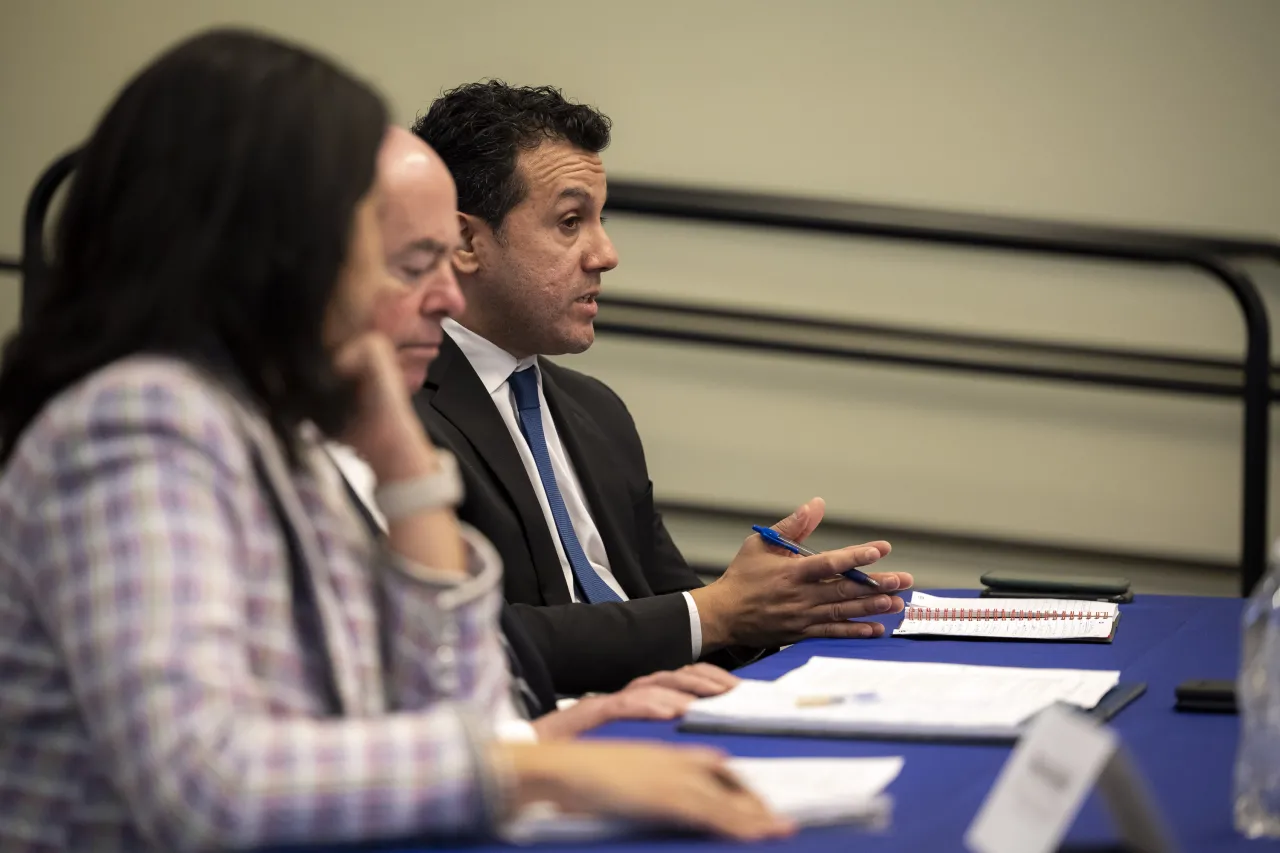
896, 698
1007, 618
811, 791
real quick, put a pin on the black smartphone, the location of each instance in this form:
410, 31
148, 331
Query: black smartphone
1206, 695
1079, 585
1123, 598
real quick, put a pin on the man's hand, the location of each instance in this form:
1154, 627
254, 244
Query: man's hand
770, 597
697, 679
660, 696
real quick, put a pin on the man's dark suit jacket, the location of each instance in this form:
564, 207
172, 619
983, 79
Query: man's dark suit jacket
588, 647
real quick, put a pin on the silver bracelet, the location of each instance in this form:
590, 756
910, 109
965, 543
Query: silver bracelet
403, 498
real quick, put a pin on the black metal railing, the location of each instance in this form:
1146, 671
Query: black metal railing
932, 226
1027, 551
911, 347
1209, 254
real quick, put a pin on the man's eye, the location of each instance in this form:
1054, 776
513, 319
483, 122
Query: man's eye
572, 222
416, 272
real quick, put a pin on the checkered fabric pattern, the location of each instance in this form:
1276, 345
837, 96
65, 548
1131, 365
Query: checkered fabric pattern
161, 685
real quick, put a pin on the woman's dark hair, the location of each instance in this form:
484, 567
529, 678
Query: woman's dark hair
480, 129
209, 218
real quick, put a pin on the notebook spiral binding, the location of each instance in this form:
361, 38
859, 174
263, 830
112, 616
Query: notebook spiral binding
915, 613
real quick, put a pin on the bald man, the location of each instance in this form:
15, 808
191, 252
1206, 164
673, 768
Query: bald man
419, 227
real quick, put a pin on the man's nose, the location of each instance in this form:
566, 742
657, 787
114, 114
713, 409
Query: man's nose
603, 256
444, 296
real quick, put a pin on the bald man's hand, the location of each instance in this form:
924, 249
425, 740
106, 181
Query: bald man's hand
768, 596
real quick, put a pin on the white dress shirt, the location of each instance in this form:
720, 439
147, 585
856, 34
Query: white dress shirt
509, 725
494, 366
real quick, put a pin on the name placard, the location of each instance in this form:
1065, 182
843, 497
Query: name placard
1041, 788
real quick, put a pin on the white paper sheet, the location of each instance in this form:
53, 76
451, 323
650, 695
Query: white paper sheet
866, 697
812, 791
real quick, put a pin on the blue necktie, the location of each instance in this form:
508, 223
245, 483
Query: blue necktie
524, 385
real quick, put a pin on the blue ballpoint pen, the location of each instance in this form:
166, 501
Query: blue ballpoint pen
772, 536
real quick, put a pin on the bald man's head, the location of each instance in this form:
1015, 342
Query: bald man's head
403, 156
419, 233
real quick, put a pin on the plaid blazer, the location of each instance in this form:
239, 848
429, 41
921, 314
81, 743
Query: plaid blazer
168, 682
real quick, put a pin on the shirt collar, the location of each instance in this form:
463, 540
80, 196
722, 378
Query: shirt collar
492, 363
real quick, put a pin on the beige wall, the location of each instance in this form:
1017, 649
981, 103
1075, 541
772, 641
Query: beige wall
1151, 112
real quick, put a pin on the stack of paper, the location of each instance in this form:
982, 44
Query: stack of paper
1009, 618
860, 698
811, 791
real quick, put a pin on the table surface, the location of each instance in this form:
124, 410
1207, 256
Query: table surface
1187, 759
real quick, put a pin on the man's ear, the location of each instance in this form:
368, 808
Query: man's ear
467, 260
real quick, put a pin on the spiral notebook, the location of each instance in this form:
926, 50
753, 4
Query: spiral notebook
1009, 619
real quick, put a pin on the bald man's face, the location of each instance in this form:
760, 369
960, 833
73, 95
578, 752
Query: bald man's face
419, 226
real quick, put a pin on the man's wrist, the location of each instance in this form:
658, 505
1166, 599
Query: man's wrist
716, 631
596, 711
567, 723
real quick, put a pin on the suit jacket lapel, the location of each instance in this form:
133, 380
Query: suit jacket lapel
463, 400
606, 494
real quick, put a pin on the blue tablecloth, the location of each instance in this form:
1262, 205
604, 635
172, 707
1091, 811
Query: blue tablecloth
1186, 758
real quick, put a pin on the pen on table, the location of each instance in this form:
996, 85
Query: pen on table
772, 536
819, 701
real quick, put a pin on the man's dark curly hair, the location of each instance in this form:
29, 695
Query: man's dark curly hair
479, 130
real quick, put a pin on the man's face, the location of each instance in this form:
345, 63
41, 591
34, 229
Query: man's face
532, 286
419, 227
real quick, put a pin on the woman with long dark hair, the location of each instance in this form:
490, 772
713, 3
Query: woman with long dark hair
201, 647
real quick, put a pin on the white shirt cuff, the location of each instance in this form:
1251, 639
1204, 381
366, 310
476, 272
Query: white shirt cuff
695, 626
516, 731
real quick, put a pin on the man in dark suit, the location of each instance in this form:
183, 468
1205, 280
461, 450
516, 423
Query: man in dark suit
554, 468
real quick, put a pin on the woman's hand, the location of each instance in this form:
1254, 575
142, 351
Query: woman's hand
689, 787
